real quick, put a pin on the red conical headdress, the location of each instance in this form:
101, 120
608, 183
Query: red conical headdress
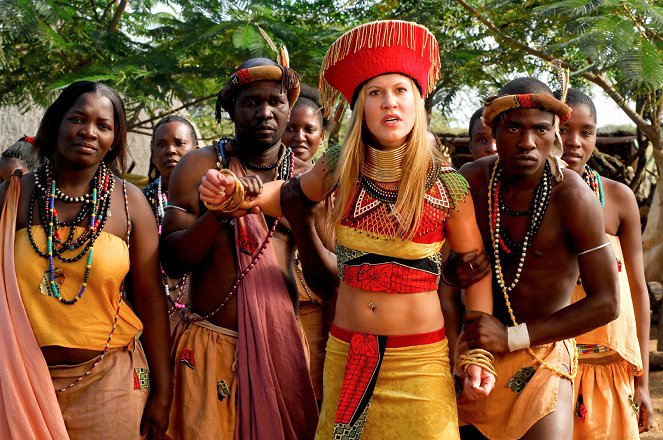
377, 48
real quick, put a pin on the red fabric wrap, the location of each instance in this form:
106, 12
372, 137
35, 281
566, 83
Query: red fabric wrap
275, 393
389, 278
397, 341
360, 369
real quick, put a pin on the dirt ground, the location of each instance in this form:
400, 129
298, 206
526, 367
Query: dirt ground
656, 391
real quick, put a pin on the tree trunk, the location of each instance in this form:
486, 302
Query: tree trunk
652, 237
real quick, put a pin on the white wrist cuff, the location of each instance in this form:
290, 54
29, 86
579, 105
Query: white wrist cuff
518, 337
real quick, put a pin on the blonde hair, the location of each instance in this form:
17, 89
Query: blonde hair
418, 158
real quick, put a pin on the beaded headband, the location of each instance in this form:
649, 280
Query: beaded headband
374, 49
279, 72
495, 105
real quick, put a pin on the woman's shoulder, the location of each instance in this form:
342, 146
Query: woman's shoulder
454, 185
331, 156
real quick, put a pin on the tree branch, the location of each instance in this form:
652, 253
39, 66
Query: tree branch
106, 10
132, 127
94, 11
595, 78
115, 22
639, 121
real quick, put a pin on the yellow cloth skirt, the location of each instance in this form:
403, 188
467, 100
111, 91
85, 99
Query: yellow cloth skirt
109, 402
413, 397
506, 415
311, 315
603, 409
205, 383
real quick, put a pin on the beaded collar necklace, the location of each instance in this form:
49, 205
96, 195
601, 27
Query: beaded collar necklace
538, 210
384, 165
95, 204
284, 172
593, 179
388, 193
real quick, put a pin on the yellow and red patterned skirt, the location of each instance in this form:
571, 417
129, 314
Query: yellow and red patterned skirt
387, 387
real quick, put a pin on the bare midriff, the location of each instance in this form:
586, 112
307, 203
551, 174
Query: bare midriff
381, 313
56, 355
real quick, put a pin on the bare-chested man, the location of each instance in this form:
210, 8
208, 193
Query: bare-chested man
240, 363
541, 225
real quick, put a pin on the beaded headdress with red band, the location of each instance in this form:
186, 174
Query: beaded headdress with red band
280, 71
495, 105
377, 48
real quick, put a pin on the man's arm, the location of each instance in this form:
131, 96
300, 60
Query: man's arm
582, 220
187, 236
308, 225
630, 238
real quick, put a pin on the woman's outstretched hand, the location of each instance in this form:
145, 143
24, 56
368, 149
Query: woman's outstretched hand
478, 383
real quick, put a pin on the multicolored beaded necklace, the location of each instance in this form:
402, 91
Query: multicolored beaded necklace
119, 304
158, 200
95, 204
537, 211
285, 170
593, 179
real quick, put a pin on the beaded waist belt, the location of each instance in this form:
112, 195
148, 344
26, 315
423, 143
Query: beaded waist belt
592, 348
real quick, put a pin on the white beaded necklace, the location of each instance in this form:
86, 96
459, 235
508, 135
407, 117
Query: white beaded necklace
537, 214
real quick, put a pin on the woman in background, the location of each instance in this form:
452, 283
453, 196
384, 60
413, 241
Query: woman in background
173, 137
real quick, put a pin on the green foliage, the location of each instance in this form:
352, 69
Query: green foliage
177, 58
180, 54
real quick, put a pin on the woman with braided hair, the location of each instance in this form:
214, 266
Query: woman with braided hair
387, 371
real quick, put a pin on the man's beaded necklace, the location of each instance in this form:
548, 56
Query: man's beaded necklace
96, 204
537, 211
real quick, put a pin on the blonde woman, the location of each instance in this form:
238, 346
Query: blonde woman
387, 371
